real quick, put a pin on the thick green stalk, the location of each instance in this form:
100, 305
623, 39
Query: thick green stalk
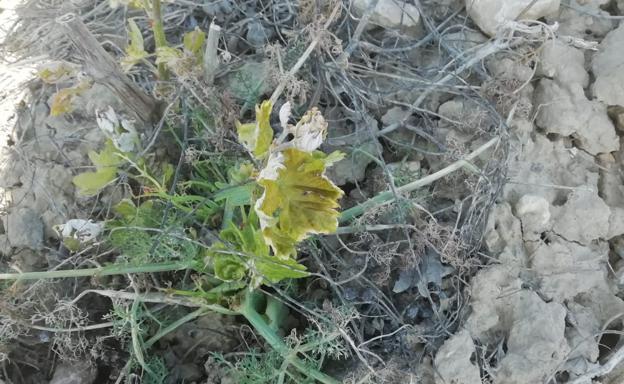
115, 269
248, 310
158, 29
160, 39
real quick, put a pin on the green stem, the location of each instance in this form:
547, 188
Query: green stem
115, 269
158, 29
356, 211
172, 327
143, 173
248, 310
388, 196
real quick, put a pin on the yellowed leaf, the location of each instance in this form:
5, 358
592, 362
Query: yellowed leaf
135, 51
194, 42
57, 72
257, 137
62, 99
298, 202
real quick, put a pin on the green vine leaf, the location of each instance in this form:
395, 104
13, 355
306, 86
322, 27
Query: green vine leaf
247, 239
298, 199
90, 183
244, 252
193, 42
241, 174
106, 163
228, 267
107, 157
225, 289
186, 61
135, 51
126, 209
275, 270
257, 137
168, 56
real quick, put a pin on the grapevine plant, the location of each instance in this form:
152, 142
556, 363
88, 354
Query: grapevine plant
296, 200
267, 206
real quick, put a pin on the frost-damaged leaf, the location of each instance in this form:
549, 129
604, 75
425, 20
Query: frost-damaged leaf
257, 137
83, 230
135, 51
310, 131
284, 115
272, 167
107, 120
298, 202
61, 102
78, 232
284, 246
62, 99
122, 132
194, 41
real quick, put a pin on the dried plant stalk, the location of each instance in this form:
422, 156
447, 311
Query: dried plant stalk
211, 57
104, 69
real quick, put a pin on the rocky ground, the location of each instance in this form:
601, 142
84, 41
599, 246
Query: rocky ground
504, 266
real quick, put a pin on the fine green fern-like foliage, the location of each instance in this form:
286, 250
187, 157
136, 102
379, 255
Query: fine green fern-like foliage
141, 236
156, 371
254, 368
269, 368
